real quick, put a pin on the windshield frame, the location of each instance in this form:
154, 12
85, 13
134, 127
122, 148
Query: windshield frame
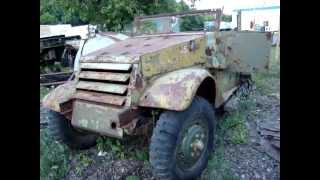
217, 13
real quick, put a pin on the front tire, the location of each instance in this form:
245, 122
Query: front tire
61, 130
182, 141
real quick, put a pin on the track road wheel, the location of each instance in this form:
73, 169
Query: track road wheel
182, 141
61, 130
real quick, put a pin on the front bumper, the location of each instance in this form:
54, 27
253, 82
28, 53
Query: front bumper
97, 118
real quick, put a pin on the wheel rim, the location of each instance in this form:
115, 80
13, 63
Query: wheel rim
194, 141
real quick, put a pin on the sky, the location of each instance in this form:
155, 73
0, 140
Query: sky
229, 5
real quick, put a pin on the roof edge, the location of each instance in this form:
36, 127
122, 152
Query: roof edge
257, 8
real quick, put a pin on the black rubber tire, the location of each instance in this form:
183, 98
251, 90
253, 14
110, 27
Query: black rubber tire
61, 130
165, 139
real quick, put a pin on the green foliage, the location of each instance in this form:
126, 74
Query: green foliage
261, 83
54, 158
47, 18
148, 27
51, 12
120, 150
192, 23
218, 168
141, 155
112, 14
235, 128
132, 178
262, 79
105, 144
84, 161
226, 18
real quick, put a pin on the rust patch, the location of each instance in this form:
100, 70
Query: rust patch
100, 97
139, 82
237, 61
128, 116
174, 91
108, 76
66, 109
208, 51
218, 41
59, 95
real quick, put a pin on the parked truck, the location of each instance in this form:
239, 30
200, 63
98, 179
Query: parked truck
58, 49
172, 83
59, 43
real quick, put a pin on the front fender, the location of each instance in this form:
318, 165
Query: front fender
59, 95
174, 90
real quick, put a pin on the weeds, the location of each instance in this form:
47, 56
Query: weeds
141, 155
132, 178
234, 128
84, 161
117, 147
218, 167
262, 79
261, 82
105, 144
54, 158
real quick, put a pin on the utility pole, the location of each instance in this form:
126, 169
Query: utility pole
239, 21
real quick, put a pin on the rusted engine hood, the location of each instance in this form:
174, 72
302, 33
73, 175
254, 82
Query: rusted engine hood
132, 49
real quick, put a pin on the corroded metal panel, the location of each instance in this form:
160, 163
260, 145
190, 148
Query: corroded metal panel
244, 51
102, 87
226, 84
174, 90
106, 66
130, 50
59, 95
100, 97
105, 58
97, 118
109, 76
176, 57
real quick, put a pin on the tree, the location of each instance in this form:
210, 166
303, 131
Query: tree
112, 14
226, 18
50, 12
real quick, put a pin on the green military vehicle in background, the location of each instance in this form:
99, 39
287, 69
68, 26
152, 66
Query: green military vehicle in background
173, 82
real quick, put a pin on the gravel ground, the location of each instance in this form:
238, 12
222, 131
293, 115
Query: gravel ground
257, 159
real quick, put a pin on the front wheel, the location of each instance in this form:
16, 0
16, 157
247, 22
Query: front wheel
61, 130
182, 141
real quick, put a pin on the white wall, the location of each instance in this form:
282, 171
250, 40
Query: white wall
63, 29
258, 16
53, 30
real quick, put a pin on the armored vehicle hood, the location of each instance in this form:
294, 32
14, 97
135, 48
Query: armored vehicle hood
131, 49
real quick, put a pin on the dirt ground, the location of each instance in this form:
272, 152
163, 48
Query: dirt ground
252, 159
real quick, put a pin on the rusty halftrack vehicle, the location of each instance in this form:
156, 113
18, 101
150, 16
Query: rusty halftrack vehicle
171, 82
